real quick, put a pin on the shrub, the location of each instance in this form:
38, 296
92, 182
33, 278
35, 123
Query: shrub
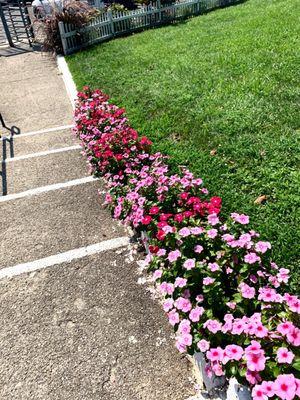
223, 293
72, 12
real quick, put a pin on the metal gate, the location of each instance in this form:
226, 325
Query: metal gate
15, 23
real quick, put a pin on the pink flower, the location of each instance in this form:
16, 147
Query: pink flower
197, 230
255, 357
189, 264
213, 267
215, 354
198, 249
241, 218
184, 232
285, 387
173, 317
261, 331
157, 274
180, 282
161, 252
208, 281
183, 304
293, 336
213, 219
203, 345
180, 346
212, 325
185, 339
196, 313
283, 275
262, 247
251, 258
168, 305
212, 233
284, 356
267, 388
285, 327
232, 352
184, 326
258, 393
252, 377
248, 292
174, 255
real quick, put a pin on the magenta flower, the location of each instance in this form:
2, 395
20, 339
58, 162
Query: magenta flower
232, 352
212, 325
268, 388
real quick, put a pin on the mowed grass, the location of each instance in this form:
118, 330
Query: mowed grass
219, 93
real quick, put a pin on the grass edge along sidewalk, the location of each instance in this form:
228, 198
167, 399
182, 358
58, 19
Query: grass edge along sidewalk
218, 93
209, 269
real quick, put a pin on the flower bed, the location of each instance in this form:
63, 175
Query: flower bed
224, 295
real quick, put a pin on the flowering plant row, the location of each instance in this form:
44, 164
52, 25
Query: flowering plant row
222, 292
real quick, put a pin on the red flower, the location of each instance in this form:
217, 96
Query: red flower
216, 202
153, 249
184, 195
146, 220
154, 210
145, 141
179, 218
164, 217
160, 235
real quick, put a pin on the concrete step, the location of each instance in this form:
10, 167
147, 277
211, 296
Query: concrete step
18, 145
86, 331
33, 98
47, 224
34, 172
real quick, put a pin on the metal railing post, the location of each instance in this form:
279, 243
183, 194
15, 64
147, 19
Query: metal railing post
5, 26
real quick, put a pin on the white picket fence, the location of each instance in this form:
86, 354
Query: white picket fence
110, 24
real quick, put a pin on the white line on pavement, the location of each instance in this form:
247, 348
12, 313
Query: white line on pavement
43, 153
48, 188
55, 129
67, 256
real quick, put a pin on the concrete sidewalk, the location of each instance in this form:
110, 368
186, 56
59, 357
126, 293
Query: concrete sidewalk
79, 327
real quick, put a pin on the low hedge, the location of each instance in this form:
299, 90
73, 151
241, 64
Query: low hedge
224, 295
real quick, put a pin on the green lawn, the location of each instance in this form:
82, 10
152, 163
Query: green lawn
228, 83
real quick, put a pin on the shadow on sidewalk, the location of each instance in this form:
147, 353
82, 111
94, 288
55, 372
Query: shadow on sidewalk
7, 141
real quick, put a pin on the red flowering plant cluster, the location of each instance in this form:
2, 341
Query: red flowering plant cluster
222, 292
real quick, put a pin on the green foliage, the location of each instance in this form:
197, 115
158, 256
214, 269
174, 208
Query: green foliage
219, 93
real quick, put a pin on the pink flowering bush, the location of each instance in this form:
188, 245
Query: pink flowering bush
222, 292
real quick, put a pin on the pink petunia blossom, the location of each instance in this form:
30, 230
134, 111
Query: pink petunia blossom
168, 304
262, 247
196, 313
212, 325
212, 233
180, 282
251, 258
285, 387
213, 219
174, 255
203, 345
268, 388
198, 249
248, 292
258, 393
240, 218
184, 232
232, 352
284, 356
215, 354
208, 281
197, 230
189, 264
173, 317
213, 267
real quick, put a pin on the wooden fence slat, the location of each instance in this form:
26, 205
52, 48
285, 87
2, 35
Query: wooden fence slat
108, 24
